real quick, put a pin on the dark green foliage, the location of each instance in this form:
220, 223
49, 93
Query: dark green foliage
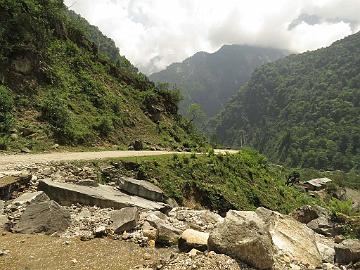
68, 79
6, 108
219, 182
211, 79
303, 110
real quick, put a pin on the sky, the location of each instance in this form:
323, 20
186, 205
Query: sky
153, 34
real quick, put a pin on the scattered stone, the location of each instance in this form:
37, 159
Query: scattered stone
348, 251
86, 236
339, 238
141, 188
74, 261
3, 221
167, 235
4, 252
100, 231
102, 196
191, 239
45, 217
31, 197
149, 231
147, 256
125, 219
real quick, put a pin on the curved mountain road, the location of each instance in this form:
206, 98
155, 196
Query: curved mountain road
11, 161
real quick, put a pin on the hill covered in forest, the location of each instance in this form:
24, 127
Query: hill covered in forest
303, 110
62, 81
211, 79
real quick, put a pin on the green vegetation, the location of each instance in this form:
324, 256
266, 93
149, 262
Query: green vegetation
62, 81
303, 110
218, 182
210, 80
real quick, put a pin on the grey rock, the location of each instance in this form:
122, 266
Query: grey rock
31, 197
191, 239
125, 219
326, 248
348, 251
102, 196
25, 150
88, 183
9, 184
100, 231
141, 188
243, 236
317, 218
167, 235
45, 217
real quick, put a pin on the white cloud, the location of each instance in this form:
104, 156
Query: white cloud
155, 33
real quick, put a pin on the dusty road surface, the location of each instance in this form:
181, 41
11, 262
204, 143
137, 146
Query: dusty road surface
9, 161
39, 252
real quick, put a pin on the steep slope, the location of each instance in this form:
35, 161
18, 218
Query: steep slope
303, 110
211, 79
56, 85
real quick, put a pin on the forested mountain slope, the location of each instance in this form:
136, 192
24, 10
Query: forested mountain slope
211, 79
57, 85
303, 110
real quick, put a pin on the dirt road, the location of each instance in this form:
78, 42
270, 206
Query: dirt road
11, 161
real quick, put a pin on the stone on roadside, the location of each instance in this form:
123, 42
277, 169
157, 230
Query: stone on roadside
9, 184
167, 235
265, 239
125, 219
45, 217
191, 239
102, 196
100, 231
242, 235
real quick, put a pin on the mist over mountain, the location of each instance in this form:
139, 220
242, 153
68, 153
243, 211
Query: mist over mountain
210, 79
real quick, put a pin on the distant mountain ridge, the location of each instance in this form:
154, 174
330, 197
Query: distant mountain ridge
210, 79
303, 110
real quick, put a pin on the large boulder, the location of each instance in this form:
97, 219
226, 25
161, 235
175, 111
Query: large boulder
265, 239
348, 251
243, 235
125, 219
102, 196
45, 217
141, 188
190, 239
